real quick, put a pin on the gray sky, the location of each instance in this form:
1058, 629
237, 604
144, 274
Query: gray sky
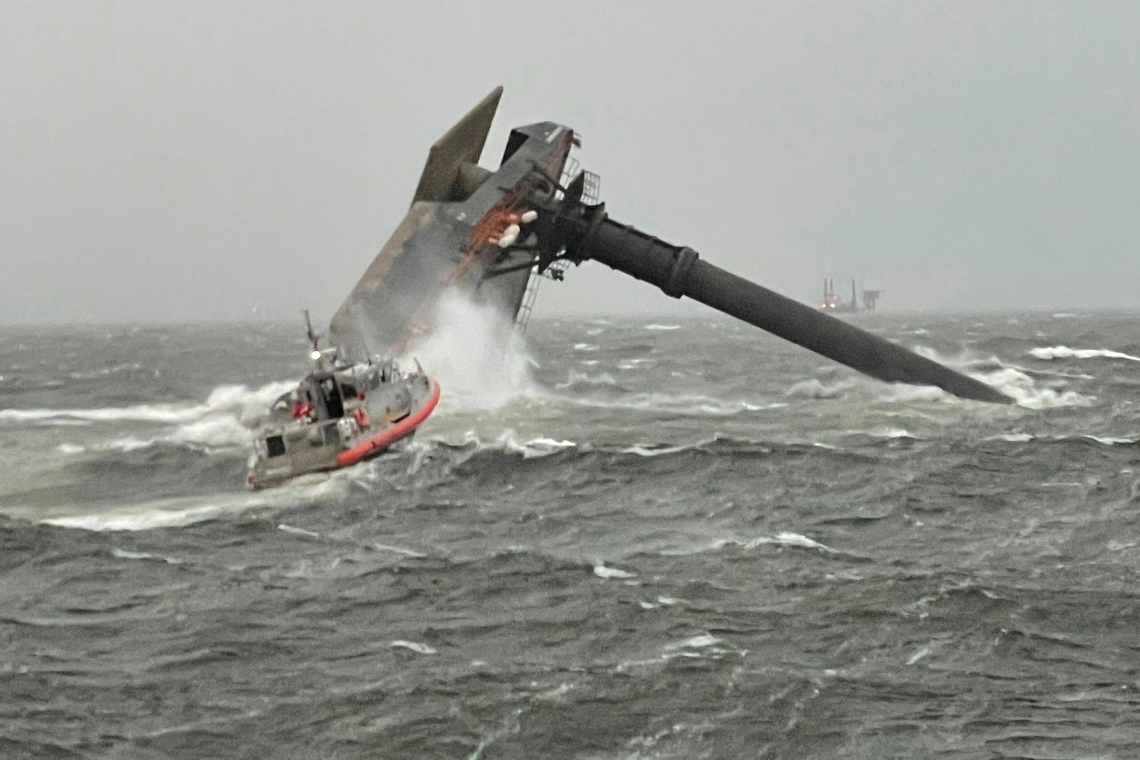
195, 160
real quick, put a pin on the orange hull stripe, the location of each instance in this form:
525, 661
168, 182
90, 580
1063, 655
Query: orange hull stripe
392, 434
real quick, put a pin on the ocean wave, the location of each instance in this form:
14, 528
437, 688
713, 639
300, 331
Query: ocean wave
124, 554
215, 432
696, 642
656, 450
656, 326
1103, 440
242, 402
414, 646
815, 388
106, 371
1013, 437
891, 393
899, 393
183, 511
602, 390
1064, 352
612, 573
687, 405
210, 434
480, 360
889, 432
1024, 391
783, 538
508, 442
1013, 381
576, 379
127, 444
487, 454
161, 413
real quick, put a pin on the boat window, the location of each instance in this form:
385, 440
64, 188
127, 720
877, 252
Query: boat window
331, 435
333, 402
275, 446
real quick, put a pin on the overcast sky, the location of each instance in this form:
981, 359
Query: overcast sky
172, 161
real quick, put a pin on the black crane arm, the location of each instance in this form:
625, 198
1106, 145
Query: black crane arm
587, 232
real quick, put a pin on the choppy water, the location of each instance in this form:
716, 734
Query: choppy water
672, 539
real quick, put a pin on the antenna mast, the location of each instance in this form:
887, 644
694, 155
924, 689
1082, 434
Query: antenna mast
314, 338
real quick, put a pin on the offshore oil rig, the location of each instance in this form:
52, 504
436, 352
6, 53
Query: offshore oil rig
832, 304
492, 233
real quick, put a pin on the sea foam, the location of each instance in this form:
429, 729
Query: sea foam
1049, 353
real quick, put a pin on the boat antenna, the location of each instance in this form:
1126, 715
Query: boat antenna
314, 338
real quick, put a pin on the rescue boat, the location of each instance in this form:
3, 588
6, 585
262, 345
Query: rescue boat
341, 413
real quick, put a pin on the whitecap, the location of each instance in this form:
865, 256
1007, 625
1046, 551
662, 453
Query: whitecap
889, 433
478, 357
165, 413
128, 443
124, 554
297, 531
415, 646
213, 432
813, 388
898, 393
247, 404
182, 511
1108, 440
650, 451
397, 550
574, 378
238, 400
656, 326
918, 655
680, 404
1064, 352
1013, 437
602, 571
784, 538
697, 642
533, 448
1023, 390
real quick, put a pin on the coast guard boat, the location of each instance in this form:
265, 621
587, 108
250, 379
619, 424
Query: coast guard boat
341, 413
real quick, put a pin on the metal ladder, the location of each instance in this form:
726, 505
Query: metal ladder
591, 194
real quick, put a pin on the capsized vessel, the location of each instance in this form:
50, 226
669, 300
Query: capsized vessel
493, 233
341, 413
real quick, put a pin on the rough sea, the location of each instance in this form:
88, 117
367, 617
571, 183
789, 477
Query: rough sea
625, 538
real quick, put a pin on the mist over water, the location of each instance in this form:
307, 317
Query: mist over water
616, 538
476, 353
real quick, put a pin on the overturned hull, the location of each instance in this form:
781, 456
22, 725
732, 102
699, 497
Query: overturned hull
444, 240
486, 232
